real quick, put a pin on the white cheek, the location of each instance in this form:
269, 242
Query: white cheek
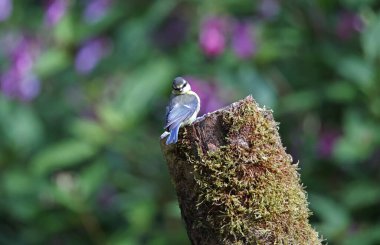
187, 88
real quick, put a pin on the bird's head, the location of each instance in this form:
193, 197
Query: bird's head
180, 86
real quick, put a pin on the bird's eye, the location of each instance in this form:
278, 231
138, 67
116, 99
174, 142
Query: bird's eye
177, 87
179, 83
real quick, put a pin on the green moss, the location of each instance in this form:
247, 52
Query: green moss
249, 188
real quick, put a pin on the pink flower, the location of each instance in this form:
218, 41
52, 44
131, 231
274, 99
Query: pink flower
19, 81
5, 9
55, 10
208, 94
96, 10
327, 140
348, 24
243, 43
90, 54
9, 83
29, 87
212, 36
22, 86
23, 56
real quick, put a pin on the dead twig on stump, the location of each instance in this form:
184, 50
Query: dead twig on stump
235, 182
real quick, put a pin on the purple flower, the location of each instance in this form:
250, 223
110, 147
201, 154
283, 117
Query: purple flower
23, 56
55, 10
19, 81
9, 83
208, 94
268, 9
96, 10
22, 86
212, 36
90, 54
29, 87
327, 140
5, 9
348, 24
243, 43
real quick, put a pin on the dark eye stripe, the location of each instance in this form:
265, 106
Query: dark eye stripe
179, 88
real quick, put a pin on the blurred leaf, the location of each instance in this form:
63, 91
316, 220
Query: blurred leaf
158, 240
279, 43
91, 178
371, 37
299, 101
18, 182
135, 50
340, 91
158, 11
62, 155
173, 210
361, 194
375, 106
19, 190
346, 152
140, 214
65, 191
122, 238
358, 71
23, 208
268, 52
51, 62
20, 126
359, 140
334, 217
364, 236
356, 3
89, 131
64, 31
236, 7
111, 117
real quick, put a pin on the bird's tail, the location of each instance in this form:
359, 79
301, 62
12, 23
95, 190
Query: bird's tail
173, 137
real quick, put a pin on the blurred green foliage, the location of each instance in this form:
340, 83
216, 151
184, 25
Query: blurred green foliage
84, 87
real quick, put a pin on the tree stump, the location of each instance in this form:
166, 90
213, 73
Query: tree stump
235, 183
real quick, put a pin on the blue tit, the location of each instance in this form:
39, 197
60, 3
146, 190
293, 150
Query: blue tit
182, 110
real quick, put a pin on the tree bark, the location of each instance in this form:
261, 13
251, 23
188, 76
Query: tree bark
235, 183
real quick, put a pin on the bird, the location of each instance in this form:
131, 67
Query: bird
183, 108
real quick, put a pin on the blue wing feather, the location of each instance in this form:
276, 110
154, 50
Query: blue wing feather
173, 137
178, 115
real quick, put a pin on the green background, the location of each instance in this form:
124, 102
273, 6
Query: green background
81, 163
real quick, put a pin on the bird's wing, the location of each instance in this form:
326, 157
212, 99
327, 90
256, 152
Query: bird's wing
181, 109
177, 115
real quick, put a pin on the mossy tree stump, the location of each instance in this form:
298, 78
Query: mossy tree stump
235, 182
